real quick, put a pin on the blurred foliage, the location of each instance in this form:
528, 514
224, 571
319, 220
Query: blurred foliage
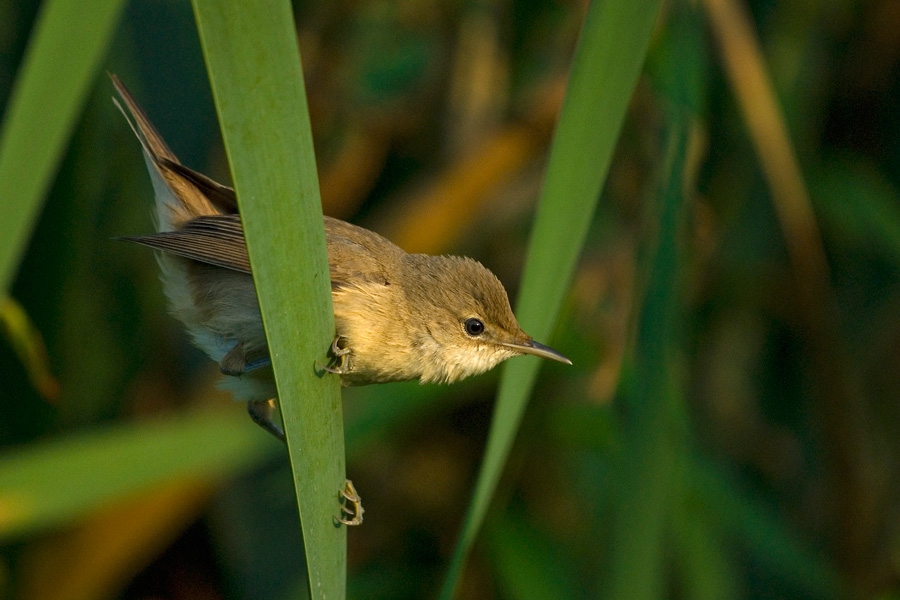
577, 167
774, 472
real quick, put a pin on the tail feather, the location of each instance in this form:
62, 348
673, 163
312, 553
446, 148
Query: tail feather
150, 139
179, 198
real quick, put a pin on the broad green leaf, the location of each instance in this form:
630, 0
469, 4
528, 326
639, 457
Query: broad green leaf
254, 66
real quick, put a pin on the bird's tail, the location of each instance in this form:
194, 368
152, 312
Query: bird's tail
181, 194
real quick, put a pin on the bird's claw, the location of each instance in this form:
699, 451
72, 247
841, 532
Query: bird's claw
336, 347
340, 359
351, 505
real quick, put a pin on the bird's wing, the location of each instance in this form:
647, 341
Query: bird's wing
215, 240
358, 257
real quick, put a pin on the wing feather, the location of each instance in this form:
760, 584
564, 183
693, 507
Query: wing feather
356, 256
215, 240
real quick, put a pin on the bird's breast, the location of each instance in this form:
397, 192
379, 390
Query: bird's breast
373, 319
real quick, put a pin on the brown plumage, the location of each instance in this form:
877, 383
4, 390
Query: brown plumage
398, 316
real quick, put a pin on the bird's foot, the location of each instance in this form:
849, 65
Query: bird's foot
340, 359
351, 505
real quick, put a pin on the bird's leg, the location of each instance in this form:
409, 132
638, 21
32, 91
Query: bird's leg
340, 358
261, 412
351, 505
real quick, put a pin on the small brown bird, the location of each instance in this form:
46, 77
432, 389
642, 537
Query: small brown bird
398, 316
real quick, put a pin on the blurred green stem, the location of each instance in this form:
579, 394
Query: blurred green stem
650, 461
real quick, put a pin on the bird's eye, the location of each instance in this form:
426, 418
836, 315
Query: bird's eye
474, 326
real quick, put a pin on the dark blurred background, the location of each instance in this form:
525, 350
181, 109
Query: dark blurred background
432, 122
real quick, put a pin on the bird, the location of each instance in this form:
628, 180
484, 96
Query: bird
398, 316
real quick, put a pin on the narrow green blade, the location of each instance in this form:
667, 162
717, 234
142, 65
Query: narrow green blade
64, 52
254, 67
605, 70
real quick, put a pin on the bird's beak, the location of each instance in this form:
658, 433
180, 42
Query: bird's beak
532, 347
